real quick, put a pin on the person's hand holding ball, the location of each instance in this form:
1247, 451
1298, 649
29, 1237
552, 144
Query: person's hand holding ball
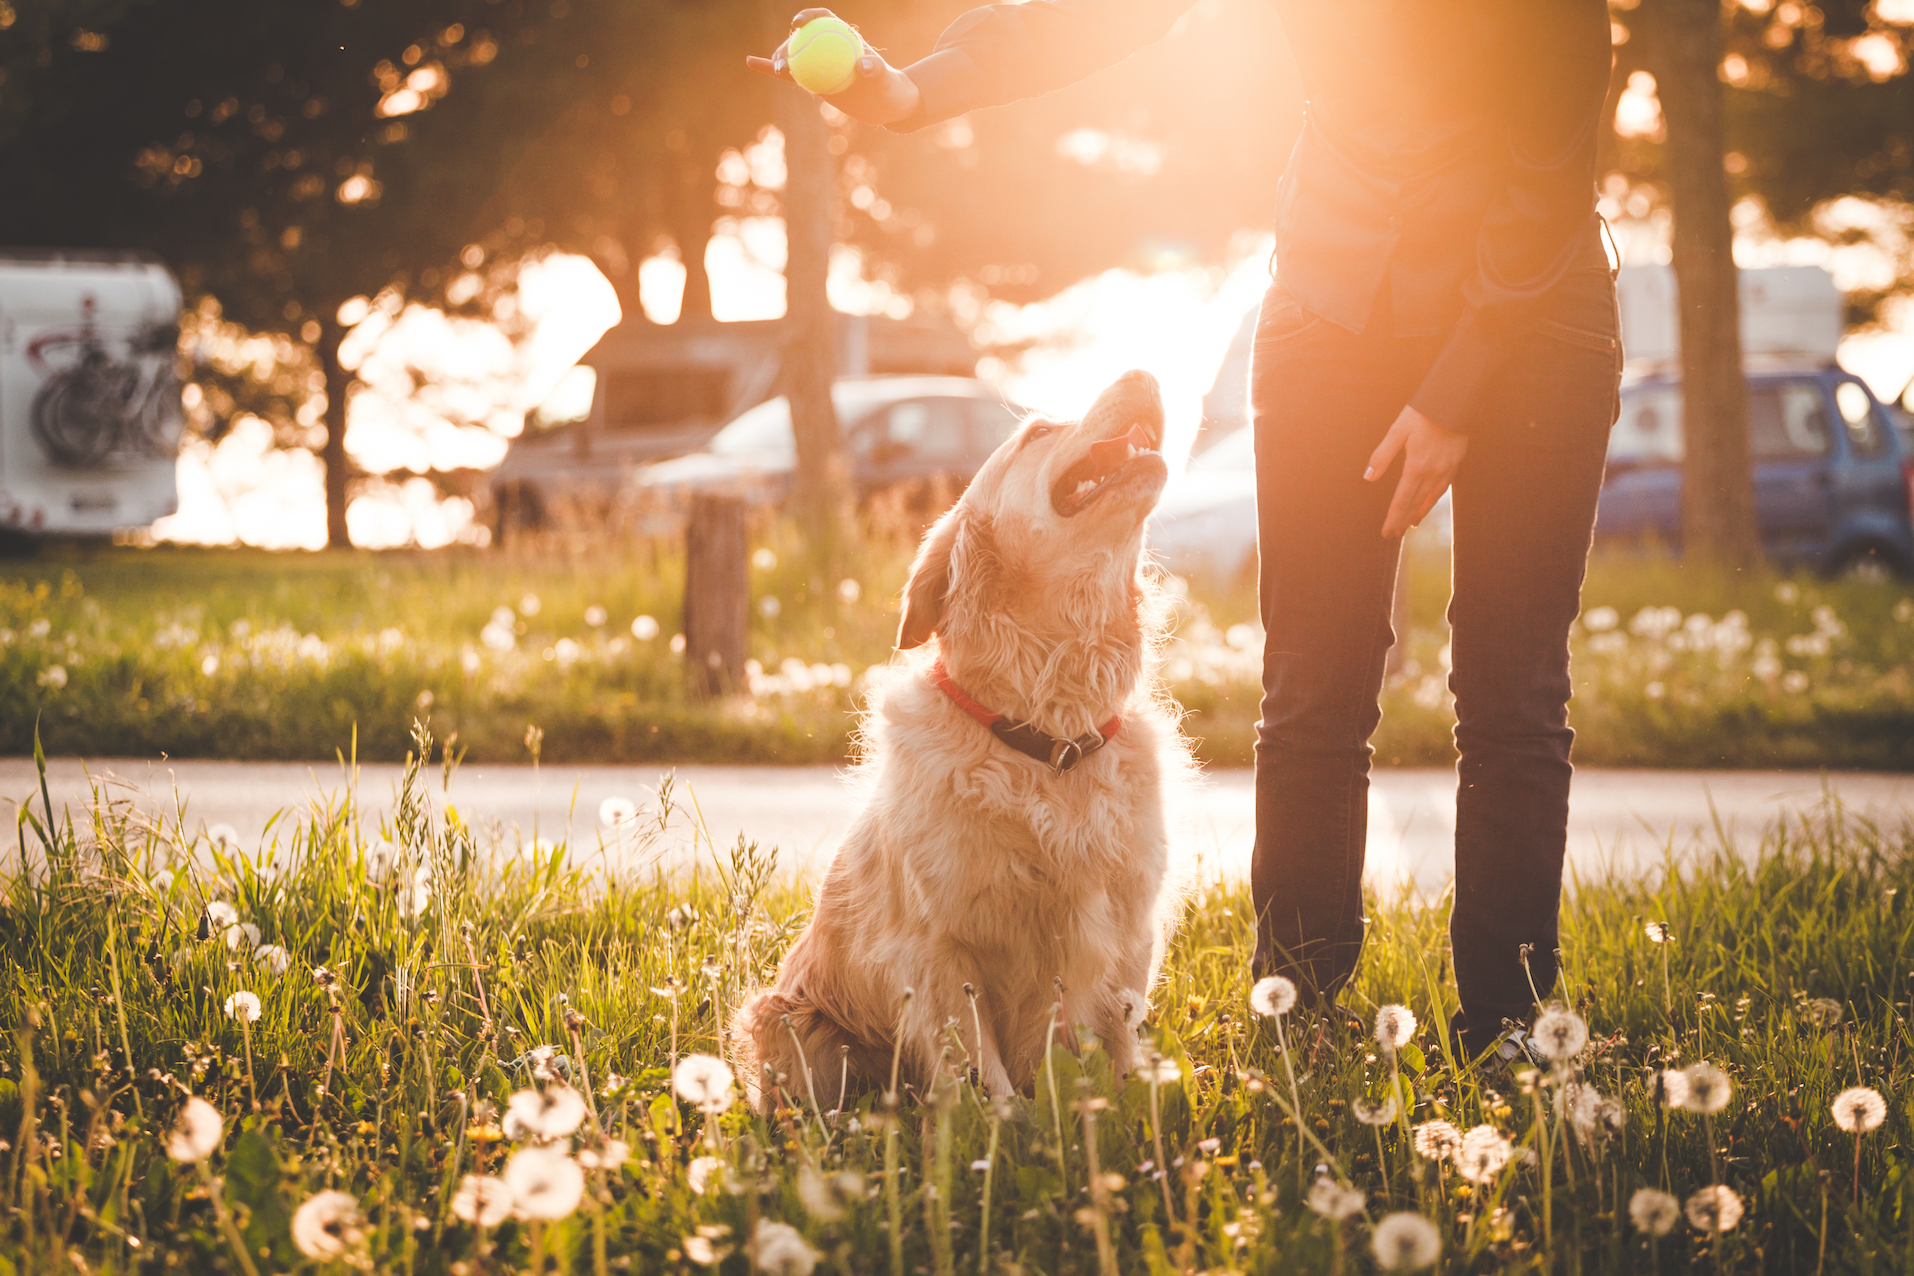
825, 55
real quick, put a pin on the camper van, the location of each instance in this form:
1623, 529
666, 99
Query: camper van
90, 412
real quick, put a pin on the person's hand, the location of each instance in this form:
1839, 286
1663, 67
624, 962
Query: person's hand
881, 95
1430, 457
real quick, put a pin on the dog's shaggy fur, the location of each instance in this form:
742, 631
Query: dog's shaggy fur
972, 864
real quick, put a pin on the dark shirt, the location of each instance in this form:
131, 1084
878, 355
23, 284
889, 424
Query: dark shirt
1447, 158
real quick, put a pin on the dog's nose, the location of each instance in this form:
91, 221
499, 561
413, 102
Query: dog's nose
1139, 376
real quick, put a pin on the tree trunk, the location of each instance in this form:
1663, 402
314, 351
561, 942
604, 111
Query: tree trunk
717, 594
693, 209
808, 357
338, 388
1718, 517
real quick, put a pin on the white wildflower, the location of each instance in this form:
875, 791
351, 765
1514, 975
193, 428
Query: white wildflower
1437, 1140
1375, 1113
698, 1173
1859, 1109
245, 935
1674, 1088
1406, 1242
1559, 1034
1708, 1088
218, 916
551, 1114
704, 1082
779, 1249
544, 1182
1395, 1026
608, 1155
1657, 932
1481, 1154
482, 1200
1334, 1201
273, 958
1272, 995
1655, 1212
1714, 1209
327, 1225
616, 812
243, 1006
196, 1131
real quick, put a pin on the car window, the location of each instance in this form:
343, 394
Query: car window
1867, 433
1787, 421
996, 421
1649, 431
765, 428
922, 428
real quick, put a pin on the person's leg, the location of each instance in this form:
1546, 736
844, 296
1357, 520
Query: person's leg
1322, 399
1524, 513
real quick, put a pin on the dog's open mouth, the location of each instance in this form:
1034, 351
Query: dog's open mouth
1107, 462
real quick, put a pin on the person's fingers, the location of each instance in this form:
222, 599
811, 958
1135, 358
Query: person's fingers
870, 64
1385, 453
766, 66
1408, 492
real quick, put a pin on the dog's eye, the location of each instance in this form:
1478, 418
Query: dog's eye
1038, 431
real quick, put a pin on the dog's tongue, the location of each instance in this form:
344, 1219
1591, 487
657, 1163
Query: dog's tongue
1110, 453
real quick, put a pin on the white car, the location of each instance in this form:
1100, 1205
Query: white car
1205, 526
896, 429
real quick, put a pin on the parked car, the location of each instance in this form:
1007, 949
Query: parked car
898, 430
1205, 525
1833, 477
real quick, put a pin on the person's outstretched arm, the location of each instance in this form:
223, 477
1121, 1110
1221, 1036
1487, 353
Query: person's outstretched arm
994, 55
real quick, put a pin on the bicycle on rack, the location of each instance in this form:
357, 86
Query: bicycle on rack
92, 406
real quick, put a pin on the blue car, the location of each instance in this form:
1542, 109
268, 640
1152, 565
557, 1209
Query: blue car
1833, 478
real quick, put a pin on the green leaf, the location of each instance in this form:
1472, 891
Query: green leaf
253, 1168
1412, 1057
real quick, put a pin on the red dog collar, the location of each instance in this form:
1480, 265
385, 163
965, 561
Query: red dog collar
1053, 751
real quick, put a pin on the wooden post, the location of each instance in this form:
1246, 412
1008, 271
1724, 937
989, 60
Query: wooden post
717, 595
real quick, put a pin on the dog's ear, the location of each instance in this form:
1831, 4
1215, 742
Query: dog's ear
929, 585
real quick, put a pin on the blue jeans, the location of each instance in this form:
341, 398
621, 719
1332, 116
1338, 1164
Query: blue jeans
1524, 510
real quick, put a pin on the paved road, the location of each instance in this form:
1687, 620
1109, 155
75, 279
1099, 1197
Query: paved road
1620, 819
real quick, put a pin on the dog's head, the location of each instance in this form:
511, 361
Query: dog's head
1058, 509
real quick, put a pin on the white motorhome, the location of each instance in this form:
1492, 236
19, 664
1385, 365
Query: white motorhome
90, 411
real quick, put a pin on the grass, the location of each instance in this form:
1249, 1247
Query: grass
245, 654
466, 973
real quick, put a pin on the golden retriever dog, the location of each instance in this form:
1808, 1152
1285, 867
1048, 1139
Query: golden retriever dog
1015, 761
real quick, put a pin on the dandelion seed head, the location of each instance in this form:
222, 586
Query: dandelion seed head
703, 1251
1395, 1026
1334, 1201
1482, 1154
1375, 1113
1437, 1140
273, 958
1406, 1242
219, 915
553, 1113
1658, 932
245, 935
698, 1173
1708, 1088
1163, 1071
243, 1006
196, 1131
1859, 1109
1272, 995
1823, 1012
1559, 1034
1654, 1212
617, 812
1714, 1209
704, 1082
482, 1200
327, 1225
608, 1154
545, 1183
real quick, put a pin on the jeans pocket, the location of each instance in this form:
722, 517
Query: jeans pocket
1281, 321
1586, 338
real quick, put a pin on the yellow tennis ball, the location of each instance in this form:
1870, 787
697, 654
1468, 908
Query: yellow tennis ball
823, 54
